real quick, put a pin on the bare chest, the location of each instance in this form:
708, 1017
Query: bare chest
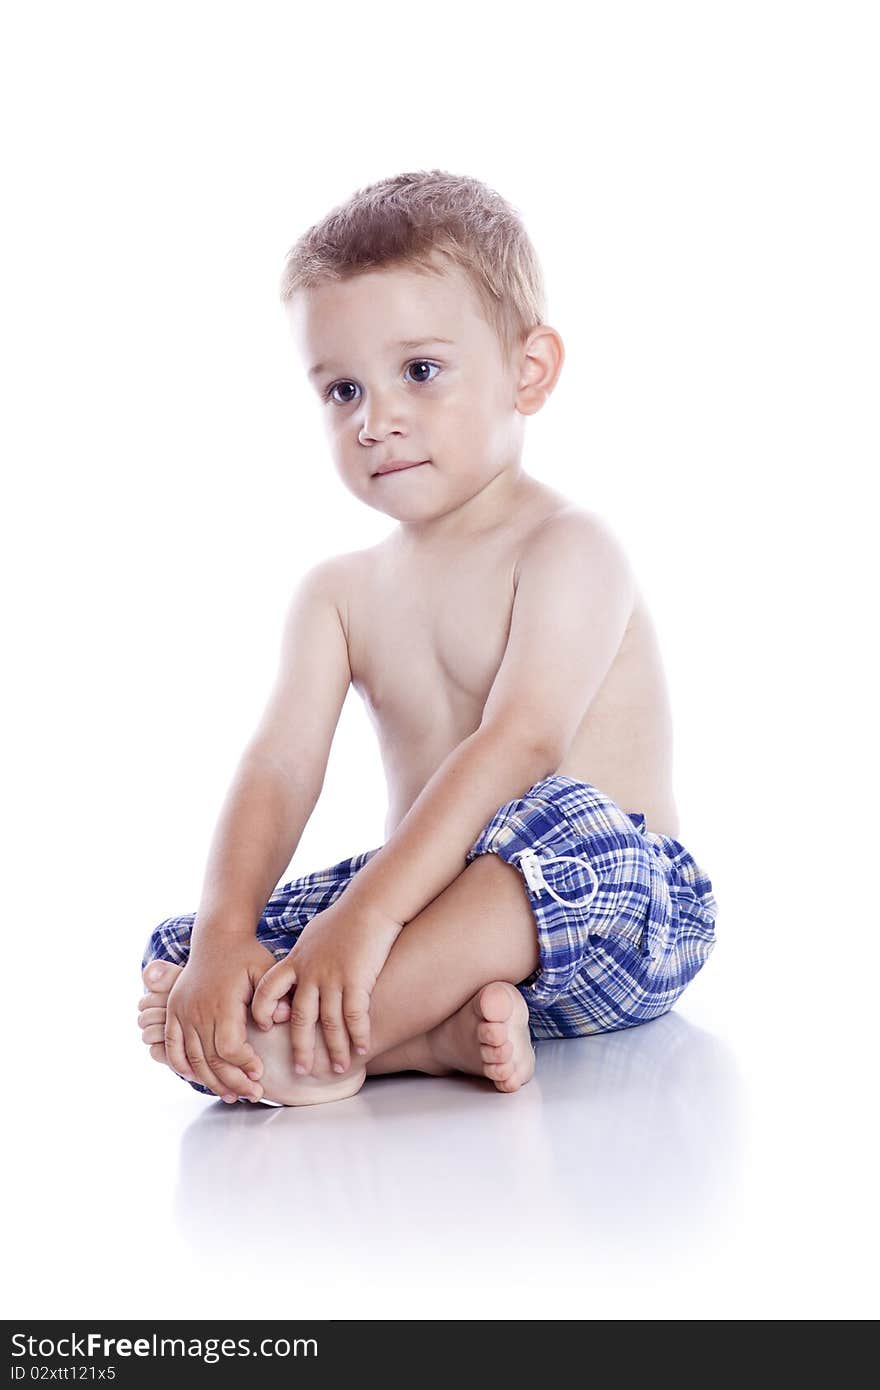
425, 643
426, 640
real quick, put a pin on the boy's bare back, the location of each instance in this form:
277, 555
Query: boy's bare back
426, 629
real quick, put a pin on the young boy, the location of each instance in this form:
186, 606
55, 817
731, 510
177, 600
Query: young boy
530, 885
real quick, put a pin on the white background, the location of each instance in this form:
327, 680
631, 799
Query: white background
700, 182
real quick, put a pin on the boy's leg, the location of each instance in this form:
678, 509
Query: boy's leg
445, 998
488, 1036
479, 931
450, 974
620, 936
625, 919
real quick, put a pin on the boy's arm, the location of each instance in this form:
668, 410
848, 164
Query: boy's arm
281, 771
273, 793
573, 601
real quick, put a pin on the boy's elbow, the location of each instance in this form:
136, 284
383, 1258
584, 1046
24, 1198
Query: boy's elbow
527, 742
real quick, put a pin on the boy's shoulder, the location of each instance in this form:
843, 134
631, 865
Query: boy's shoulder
332, 570
571, 519
334, 578
570, 533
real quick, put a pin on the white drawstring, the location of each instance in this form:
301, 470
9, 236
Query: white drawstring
531, 866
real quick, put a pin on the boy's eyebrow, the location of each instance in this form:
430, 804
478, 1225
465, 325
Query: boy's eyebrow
402, 343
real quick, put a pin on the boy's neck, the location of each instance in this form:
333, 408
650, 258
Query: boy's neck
497, 504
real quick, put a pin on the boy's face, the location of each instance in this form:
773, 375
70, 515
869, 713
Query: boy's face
390, 391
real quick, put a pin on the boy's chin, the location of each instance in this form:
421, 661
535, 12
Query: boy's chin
405, 509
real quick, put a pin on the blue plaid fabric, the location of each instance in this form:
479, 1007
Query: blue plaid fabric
625, 917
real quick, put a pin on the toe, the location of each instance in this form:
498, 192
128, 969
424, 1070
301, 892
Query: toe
511, 1085
505, 1043
496, 1002
160, 975
502, 1072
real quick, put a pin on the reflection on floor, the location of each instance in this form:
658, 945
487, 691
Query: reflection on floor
622, 1144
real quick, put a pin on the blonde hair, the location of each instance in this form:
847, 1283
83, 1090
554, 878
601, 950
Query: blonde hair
405, 221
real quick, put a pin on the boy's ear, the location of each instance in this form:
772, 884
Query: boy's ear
541, 359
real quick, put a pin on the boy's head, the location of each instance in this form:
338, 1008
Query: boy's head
371, 292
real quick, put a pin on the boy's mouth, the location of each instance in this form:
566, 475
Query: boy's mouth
398, 466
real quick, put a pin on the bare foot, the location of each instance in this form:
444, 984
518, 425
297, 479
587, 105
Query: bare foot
279, 1081
158, 977
489, 1036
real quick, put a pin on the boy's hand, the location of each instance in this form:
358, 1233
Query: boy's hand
334, 966
206, 1020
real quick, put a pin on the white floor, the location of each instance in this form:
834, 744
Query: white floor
711, 1164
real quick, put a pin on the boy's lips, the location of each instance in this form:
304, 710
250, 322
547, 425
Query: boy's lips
398, 465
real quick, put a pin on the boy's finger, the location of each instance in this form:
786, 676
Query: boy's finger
195, 1055
356, 1011
334, 1029
235, 1049
303, 1020
273, 986
233, 1082
282, 1011
174, 1047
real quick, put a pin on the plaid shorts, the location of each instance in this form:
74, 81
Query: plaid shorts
625, 917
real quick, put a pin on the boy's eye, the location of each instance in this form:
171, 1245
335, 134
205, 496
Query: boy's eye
420, 362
